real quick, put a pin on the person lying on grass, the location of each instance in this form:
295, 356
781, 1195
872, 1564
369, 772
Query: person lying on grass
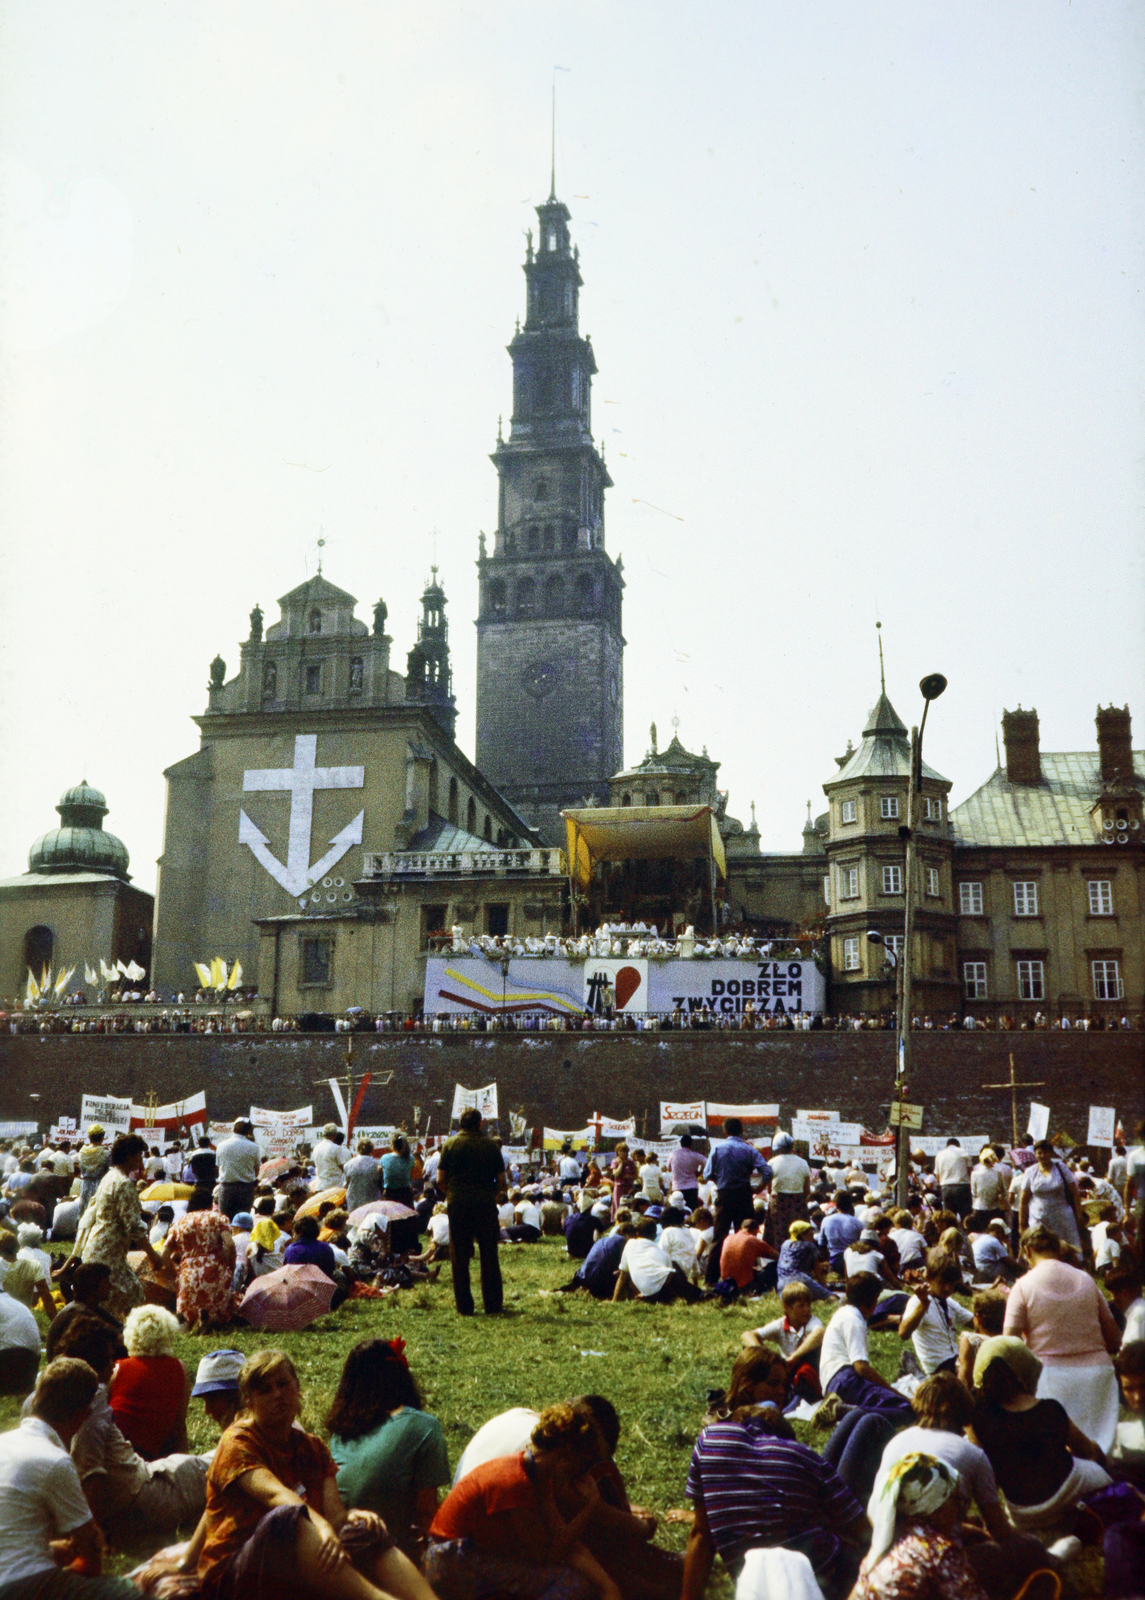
274, 1523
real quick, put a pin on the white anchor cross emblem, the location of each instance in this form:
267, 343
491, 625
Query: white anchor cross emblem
301, 780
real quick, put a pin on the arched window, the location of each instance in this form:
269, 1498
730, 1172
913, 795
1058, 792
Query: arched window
547, 537
626, 799
433, 786
584, 592
526, 597
682, 799
554, 594
471, 816
316, 621
533, 544
568, 539
488, 828
453, 810
496, 592
654, 797
39, 942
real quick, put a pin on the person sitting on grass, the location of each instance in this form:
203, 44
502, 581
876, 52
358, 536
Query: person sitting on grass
390, 1453
740, 1255
149, 1392
799, 1262
990, 1250
988, 1309
845, 1365
267, 1240
499, 1530
915, 1539
678, 1242
799, 1335
753, 1487
933, 1318
274, 1522
46, 1525
598, 1272
217, 1386
130, 1498
646, 1272
86, 1285
307, 1250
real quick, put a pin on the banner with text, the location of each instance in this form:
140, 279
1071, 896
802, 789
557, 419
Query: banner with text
484, 1100
112, 1113
752, 1117
1102, 1122
558, 986
174, 1119
277, 1133
1038, 1126
677, 1114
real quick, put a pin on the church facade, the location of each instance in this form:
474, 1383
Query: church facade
550, 671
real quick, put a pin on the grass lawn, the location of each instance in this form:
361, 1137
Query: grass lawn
655, 1363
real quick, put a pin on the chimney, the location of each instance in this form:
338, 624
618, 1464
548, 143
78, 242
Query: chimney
1115, 744
1020, 736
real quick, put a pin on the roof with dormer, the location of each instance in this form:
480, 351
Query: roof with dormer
1054, 811
884, 752
674, 759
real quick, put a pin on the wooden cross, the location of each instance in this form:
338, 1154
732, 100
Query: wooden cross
354, 1102
1013, 1087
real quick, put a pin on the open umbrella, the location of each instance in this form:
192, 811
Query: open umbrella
309, 1208
159, 1288
168, 1191
286, 1300
393, 1209
274, 1168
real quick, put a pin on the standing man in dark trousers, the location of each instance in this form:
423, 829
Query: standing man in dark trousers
730, 1167
239, 1159
472, 1173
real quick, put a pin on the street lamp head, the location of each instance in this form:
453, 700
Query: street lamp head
874, 936
932, 686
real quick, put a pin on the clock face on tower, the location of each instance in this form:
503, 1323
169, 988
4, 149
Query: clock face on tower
539, 679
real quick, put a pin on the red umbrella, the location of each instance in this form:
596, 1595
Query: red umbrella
382, 1208
286, 1300
275, 1168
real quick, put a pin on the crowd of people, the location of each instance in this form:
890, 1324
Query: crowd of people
1027, 1403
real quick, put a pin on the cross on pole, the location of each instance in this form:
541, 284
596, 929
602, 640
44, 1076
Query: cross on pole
353, 1103
1013, 1087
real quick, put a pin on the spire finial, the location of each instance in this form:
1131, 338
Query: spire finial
882, 674
553, 146
997, 751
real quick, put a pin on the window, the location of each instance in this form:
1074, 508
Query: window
526, 597
1100, 897
932, 810
316, 962
849, 882
974, 979
850, 955
827, 891
454, 808
1107, 981
433, 922
892, 880
626, 799
849, 810
970, 899
893, 943
316, 621
471, 816
1031, 980
933, 882
314, 679
496, 593
889, 806
654, 797
497, 920
1026, 900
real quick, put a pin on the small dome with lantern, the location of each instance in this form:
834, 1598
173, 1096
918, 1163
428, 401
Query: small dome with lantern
80, 843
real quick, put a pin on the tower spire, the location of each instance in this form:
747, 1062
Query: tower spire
882, 673
553, 145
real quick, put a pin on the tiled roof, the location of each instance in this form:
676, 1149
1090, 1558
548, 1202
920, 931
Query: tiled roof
1054, 811
885, 750
445, 838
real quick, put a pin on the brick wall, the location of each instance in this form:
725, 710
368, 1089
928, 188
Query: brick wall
560, 1079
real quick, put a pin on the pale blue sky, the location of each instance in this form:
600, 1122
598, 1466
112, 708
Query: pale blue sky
864, 286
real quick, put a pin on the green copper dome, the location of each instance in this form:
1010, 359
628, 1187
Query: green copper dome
80, 844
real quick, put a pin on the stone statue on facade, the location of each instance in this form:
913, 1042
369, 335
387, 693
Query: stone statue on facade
380, 615
218, 672
256, 624
269, 681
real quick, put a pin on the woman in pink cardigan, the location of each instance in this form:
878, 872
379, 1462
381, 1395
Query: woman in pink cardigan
1065, 1320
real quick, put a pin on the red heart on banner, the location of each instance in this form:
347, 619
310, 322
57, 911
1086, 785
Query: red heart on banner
627, 983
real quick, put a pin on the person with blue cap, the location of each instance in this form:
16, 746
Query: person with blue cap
217, 1385
790, 1191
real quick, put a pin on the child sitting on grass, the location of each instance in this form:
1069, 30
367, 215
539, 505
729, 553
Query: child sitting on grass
989, 1310
798, 1333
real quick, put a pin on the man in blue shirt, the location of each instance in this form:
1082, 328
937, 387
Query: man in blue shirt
730, 1167
598, 1274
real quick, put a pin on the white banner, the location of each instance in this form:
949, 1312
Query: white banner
18, 1130
832, 1132
112, 1113
485, 1101
61, 1135
611, 1128
693, 1113
376, 1132
1102, 1121
818, 1116
1038, 1126
663, 1148
218, 1131
750, 1116
516, 1152
930, 1144
154, 1137
300, 1118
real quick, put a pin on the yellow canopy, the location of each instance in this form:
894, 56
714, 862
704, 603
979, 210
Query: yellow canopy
641, 833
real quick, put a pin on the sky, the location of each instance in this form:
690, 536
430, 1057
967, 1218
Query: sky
864, 286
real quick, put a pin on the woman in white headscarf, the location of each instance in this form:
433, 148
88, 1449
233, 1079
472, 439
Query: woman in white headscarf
915, 1552
790, 1191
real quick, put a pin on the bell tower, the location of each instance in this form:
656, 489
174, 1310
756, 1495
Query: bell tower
549, 641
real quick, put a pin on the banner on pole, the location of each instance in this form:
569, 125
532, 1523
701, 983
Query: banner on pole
1102, 1122
554, 1139
112, 1113
683, 1113
750, 1116
1039, 1123
833, 1132
176, 1118
818, 1116
278, 1132
484, 1100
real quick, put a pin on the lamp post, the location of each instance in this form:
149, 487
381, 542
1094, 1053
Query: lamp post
931, 686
